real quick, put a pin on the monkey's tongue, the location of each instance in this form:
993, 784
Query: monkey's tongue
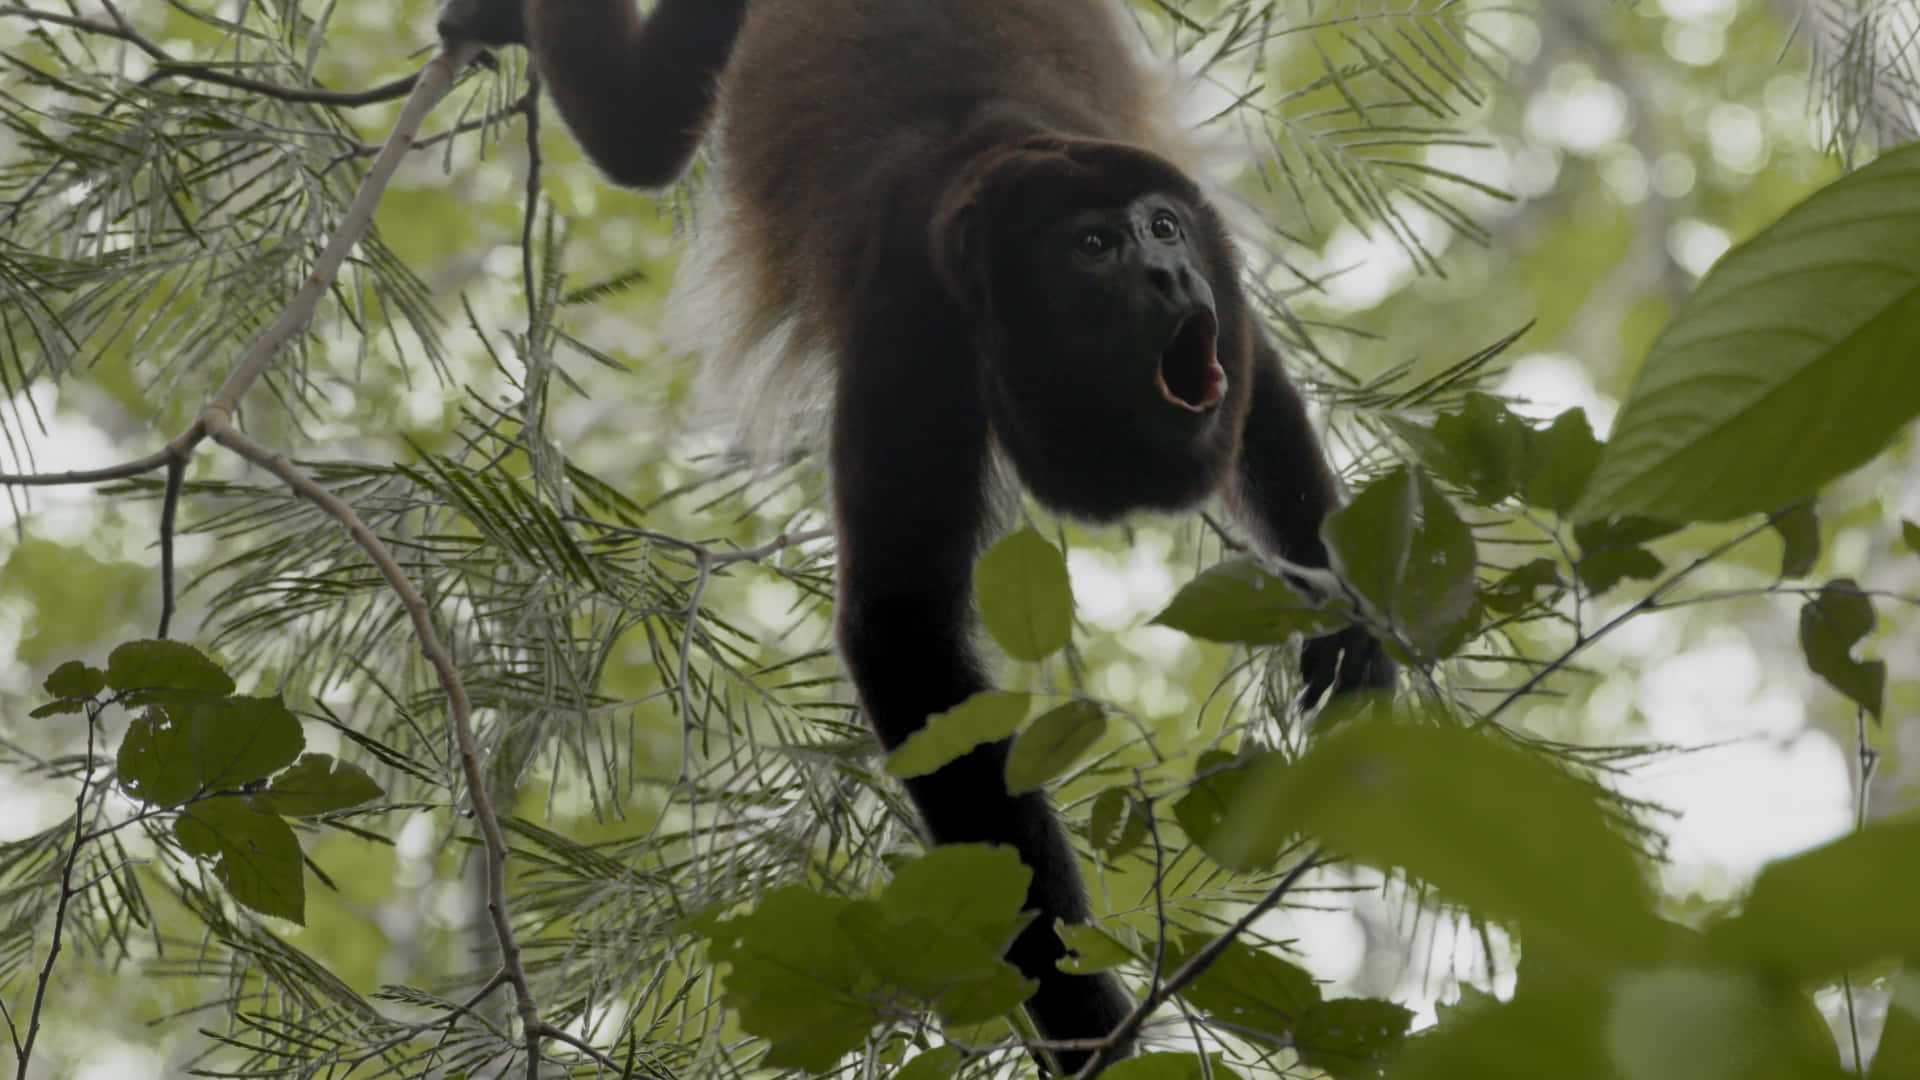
1190, 376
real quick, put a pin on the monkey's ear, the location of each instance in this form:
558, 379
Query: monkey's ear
956, 241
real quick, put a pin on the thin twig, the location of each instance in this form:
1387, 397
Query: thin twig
25, 1054
168, 66
1649, 602
1196, 965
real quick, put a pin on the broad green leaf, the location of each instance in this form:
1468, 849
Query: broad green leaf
174, 752
1820, 914
1686, 1024
797, 979
1092, 949
1244, 603
935, 1064
974, 889
318, 784
1052, 743
1799, 530
1117, 822
1402, 547
74, 679
1253, 990
1549, 1035
1898, 1056
1517, 591
979, 1000
1025, 599
1170, 1065
1352, 1038
1830, 625
1506, 833
1789, 365
1910, 533
1219, 776
916, 954
259, 857
165, 665
1485, 447
1611, 551
939, 929
985, 717
1563, 460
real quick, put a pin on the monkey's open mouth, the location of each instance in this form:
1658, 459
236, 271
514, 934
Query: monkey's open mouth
1190, 376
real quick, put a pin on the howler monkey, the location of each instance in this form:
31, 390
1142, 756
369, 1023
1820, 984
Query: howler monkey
956, 222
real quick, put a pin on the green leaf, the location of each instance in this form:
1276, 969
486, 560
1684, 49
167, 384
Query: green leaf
1682, 1024
165, 665
1611, 551
175, 752
1241, 602
1486, 447
74, 679
1830, 625
1052, 743
935, 1064
1025, 599
1219, 776
939, 929
59, 707
1898, 1057
1505, 832
318, 784
1170, 1065
1517, 591
1564, 457
985, 717
1352, 1038
1910, 533
1552, 1033
973, 889
1831, 910
797, 979
1808, 329
979, 1000
1092, 949
1254, 991
1401, 546
259, 855
1799, 530
1117, 823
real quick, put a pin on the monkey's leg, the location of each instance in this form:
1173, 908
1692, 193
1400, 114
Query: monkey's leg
909, 456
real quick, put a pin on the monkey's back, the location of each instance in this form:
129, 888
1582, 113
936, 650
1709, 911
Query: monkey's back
833, 111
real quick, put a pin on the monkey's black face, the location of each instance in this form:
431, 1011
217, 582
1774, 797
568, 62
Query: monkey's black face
1134, 272
1109, 389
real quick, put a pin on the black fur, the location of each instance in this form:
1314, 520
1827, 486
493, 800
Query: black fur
959, 200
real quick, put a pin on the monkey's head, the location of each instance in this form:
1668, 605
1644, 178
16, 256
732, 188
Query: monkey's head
1105, 295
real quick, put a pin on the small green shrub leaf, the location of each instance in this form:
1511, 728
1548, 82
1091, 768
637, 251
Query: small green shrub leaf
1830, 625
259, 857
983, 718
318, 784
1402, 547
1244, 603
1024, 596
1052, 743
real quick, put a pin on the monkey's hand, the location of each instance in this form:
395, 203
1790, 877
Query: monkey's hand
489, 22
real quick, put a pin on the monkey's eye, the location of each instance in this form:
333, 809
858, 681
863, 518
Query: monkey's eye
1096, 242
1164, 226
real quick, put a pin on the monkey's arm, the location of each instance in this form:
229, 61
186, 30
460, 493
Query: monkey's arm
1287, 490
637, 93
